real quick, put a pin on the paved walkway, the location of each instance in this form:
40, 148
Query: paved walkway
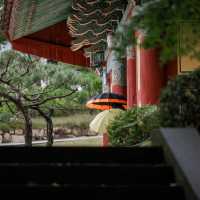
55, 141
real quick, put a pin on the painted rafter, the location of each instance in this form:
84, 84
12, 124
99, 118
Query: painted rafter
79, 19
28, 16
96, 30
100, 46
6, 15
90, 37
84, 41
89, 8
91, 20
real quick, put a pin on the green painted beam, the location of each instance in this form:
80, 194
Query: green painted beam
30, 16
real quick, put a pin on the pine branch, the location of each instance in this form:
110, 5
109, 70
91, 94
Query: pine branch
6, 68
50, 99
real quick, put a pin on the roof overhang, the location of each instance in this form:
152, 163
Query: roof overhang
31, 26
24, 17
51, 43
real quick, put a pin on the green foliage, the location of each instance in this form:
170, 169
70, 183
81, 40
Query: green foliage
180, 101
133, 126
81, 120
27, 78
165, 24
5, 116
59, 80
4, 108
8, 123
2, 38
7, 119
88, 84
4, 127
8, 126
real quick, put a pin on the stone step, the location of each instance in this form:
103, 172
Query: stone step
153, 155
84, 174
97, 193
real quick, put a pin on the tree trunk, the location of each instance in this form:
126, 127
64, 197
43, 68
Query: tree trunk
49, 123
49, 131
28, 128
25, 112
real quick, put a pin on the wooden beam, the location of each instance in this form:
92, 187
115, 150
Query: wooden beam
50, 51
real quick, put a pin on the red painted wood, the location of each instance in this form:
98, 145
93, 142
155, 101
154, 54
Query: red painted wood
131, 82
57, 34
105, 140
50, 51
151, 76
171, 69
52, 43
118, 89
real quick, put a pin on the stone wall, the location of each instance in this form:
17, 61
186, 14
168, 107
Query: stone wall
40, 134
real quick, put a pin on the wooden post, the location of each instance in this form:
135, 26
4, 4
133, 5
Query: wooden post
105, 140
131, 77
150, 76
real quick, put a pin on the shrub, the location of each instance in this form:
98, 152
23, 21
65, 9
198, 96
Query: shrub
5, 116
180, 101
133, 126
4, 127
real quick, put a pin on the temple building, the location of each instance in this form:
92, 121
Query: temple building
80, 32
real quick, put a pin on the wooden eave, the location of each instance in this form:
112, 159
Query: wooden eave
51, 43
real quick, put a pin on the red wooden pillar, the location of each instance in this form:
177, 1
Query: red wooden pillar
131, 78
150, 75
105, 140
